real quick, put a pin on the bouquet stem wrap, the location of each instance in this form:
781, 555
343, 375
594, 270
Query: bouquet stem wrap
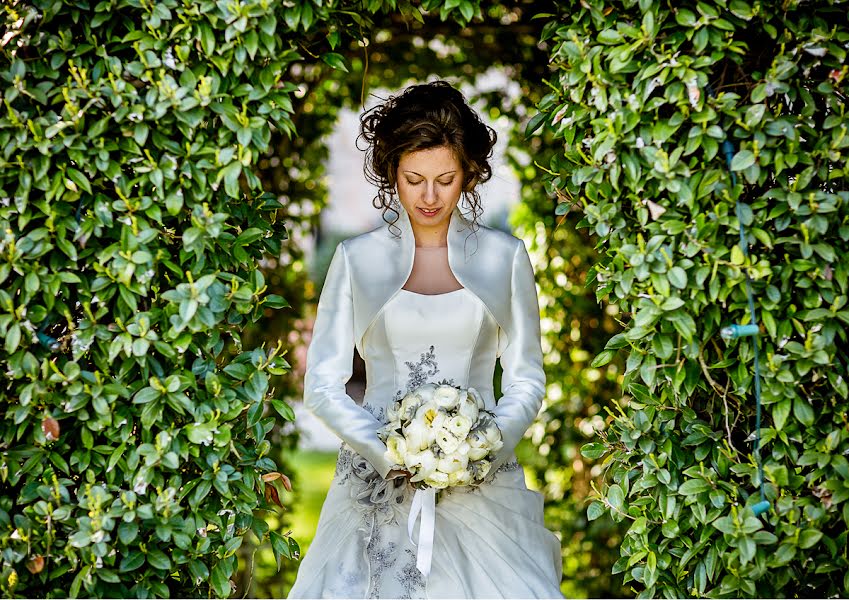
424, 503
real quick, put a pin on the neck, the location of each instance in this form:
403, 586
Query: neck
435, 241
430, 237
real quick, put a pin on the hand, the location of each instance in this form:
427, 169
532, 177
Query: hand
398, 473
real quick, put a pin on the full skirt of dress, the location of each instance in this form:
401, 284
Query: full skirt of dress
489, 540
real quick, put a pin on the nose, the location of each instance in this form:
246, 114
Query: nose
430, 194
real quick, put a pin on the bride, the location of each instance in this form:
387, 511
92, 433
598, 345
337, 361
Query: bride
433, 298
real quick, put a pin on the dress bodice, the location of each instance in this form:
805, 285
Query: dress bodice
429, 338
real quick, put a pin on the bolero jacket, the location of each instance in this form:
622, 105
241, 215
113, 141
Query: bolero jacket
367, 270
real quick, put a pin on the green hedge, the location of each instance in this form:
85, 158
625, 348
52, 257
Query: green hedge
134, 424
645, 94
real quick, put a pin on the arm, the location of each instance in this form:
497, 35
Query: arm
523, 377
330, 365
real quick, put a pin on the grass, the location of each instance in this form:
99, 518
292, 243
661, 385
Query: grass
311, 480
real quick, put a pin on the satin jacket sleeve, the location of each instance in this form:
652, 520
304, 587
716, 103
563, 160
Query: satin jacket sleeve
330, 365
523, 377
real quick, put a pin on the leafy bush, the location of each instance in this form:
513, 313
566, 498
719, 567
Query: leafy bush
134, 426
646, 94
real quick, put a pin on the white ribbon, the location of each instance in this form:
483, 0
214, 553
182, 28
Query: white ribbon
424, 502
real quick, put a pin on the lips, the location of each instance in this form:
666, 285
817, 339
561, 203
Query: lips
429, 213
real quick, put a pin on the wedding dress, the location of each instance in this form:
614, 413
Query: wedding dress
488, 541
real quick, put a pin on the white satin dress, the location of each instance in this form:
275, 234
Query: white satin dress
489, 541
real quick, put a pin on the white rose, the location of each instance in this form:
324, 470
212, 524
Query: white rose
409, 405
462, 477
463, 449
483, 467
446, 396
459, 425
431, 416
478, 398
452, 464
437, 480
480, 445
417, 435
469, 408
426, 391
477, 439
493, 435
393, 413
396, 449
423, 464
389, 429
447, 442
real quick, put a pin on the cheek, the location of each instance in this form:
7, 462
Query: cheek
455, 189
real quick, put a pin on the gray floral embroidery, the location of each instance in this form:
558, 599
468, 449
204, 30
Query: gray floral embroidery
410, 577
380, 559
384, 557
418, 371
343, 464
378, 412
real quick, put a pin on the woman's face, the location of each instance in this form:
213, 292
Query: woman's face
429, 186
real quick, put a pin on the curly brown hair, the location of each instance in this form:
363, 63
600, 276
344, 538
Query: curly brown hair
425, 116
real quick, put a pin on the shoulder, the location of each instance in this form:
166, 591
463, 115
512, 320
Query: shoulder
503, 239
364, 240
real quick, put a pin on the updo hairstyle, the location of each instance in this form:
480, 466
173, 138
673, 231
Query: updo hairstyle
421, 117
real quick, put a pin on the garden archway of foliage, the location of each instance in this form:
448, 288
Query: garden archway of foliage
642, 136
132, 221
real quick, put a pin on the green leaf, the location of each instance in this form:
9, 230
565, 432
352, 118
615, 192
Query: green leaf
220, 581
595, 510
283, 409
467, 10
603, 357
249, 236
13, 338
335, 60
809, 537
146, 394
127, 532
803, 411
742, 160
677, 277
157, 559
593, 450
279, 547
79, 179
780, 412
616, 497
535, 123
694, 486
132, 561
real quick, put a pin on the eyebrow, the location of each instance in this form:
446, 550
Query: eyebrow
440, 175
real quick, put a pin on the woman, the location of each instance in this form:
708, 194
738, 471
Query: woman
439, 301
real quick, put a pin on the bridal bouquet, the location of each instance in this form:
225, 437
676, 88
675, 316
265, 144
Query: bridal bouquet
443, 435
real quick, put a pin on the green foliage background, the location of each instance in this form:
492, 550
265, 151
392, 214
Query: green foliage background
152, 153
641, 156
